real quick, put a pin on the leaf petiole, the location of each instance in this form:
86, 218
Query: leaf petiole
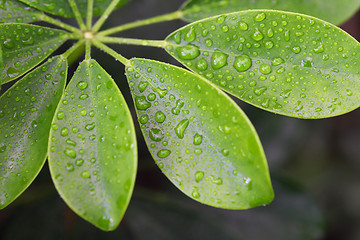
77, 14
110, 51
73, 49
55, 22
132, 41
104, 16
89, 14
157, 19
87, 50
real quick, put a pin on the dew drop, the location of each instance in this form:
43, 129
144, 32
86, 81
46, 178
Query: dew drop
197, 139
242, 63
163, 153
259, 17
82, 85
181, 127
156, 134
188, 52
257, 35
243, 26
141, 103
218, 60
9, 43
277, 61
85, 174
70, 152
265, 69
190, 35
199, 175
202, 65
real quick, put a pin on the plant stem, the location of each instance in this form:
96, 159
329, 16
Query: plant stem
89, 14
55, 22
87, 50
132, 41
157, 19
104, 16
110, 51
73, 48
77, 14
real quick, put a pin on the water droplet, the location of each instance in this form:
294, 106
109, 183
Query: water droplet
12, 72
197, 139
181, 127
141, 103
163, 153
2, 148
277, 61
156, 134
142, 86
90, 126
85, 174
82, 85
217, 181
243, 26
179, 105
257, 35
144, 119
190, 35
259, 17
225, 152
69, 167
9, 43
70, 152
199, 175
195, 193
202, 65
259, 91
285, 94
160, 117
265, 69
218, 60
296, 49
188, 52
60, 115
242, 63
64, 131
79, 162
308, 62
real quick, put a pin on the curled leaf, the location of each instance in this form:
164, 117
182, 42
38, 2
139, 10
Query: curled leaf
26, 112
92, 151
282, 62
199, 138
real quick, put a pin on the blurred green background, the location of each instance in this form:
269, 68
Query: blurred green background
314, 164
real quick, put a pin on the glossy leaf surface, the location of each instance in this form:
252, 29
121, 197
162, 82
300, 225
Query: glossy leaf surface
26, 112
333, 11
62, 7
285, 63
199, 137
14, 11
92, 150
24, 46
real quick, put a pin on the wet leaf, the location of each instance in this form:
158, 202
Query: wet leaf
17, 12
24, 46
285, 63
26, 112
93, 153
199, 137
62, 7
333, 11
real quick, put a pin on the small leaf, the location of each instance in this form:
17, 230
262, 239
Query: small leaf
62, 7
93, 153
333, 11
24, 46
199, 137
26, 112
282, 62
17, 12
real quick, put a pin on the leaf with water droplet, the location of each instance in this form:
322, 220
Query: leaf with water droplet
24, 46
62, 7
25, 127
333, 11
99, 143
304, 67
12, 11
206, 145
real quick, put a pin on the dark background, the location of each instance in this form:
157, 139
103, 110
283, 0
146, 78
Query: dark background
314, 164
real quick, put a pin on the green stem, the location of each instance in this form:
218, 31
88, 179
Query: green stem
110, 51
73, 48
105, 15
131, 41
89, 14
55, 22
157, 19
88, 50
77, 14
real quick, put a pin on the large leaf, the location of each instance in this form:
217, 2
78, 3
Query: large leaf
24, 46
199, 137
26, 112
14, 11
282, 62
334, 11
92, 152
62, 7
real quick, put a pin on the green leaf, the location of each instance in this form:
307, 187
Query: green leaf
93, 153
333, 11
24, 46
62, 7
26, 112
14, 11
282, 62
199, 137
